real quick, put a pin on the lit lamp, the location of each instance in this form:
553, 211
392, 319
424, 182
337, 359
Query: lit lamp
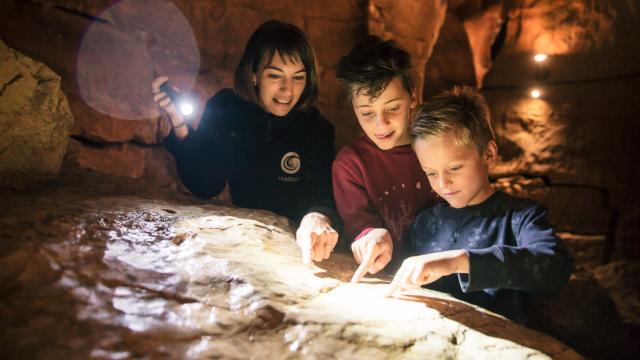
541, 73
540, 57
182, 103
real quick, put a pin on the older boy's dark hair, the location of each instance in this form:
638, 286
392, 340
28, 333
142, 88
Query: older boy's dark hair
291, 43
371, 65
461, 112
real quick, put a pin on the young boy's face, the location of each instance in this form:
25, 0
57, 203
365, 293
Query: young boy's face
385, 120
458, 173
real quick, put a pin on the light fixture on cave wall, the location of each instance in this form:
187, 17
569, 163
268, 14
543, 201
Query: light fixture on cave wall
541, 74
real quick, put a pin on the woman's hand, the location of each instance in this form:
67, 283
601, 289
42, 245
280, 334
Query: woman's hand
164, 101
373, 252
424, 269
315, 237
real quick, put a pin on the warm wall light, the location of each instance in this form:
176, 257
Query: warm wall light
535, 93
540, 57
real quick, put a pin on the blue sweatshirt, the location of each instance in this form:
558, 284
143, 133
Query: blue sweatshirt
281, 164
512, 249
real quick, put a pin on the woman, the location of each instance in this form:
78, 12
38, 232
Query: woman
265, 138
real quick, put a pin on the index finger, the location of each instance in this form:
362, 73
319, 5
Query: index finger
394, 286
366, 263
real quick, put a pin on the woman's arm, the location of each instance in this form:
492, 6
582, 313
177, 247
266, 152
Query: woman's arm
201, 155
317, 236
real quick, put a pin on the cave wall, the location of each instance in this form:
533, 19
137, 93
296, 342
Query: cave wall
52, 31
580, 136
572, 148
582, 133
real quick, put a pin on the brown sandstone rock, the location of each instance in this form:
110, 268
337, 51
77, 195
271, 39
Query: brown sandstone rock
53, 31
124, 269
451, 63
585, 304
482, 30
34, 120
585, 40
130, 160
414, 25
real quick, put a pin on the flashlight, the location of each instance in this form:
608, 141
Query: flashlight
182, 104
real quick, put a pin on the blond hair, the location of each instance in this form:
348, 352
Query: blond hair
461, 112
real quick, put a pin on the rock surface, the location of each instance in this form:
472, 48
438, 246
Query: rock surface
103, 268
34, 120
414, 25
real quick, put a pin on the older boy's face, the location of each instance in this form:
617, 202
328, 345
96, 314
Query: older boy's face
385, 120
458, 173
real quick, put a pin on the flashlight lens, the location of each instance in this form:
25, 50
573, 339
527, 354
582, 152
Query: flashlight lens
186, 108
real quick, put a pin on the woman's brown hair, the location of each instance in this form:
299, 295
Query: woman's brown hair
291, 43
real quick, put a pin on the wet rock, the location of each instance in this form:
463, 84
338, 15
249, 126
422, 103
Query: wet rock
34, 120
119, 269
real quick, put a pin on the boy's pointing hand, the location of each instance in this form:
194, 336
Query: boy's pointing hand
425, 269
373, 252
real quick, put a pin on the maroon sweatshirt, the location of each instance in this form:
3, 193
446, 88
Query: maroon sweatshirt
377, 188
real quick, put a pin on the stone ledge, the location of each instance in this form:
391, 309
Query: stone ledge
95, 266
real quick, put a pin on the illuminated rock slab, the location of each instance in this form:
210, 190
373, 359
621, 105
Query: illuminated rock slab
103, 268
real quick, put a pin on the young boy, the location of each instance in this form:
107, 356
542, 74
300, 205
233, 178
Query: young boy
482, 246
377, 180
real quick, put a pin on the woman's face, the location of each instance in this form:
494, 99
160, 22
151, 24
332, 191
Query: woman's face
280, 83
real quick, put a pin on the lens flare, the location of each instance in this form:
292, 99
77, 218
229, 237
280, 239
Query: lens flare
123, 49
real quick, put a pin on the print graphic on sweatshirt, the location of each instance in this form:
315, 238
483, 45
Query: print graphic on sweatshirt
398, 220
290, 163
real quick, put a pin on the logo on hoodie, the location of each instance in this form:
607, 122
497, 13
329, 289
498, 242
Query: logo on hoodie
290, 163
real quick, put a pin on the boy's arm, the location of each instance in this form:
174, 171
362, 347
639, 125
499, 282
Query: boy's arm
372, 246
420, 270
425, 269
319, 192
539, 263
352, 201
317, 233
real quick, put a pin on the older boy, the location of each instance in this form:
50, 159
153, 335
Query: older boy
377, 181
501, 247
